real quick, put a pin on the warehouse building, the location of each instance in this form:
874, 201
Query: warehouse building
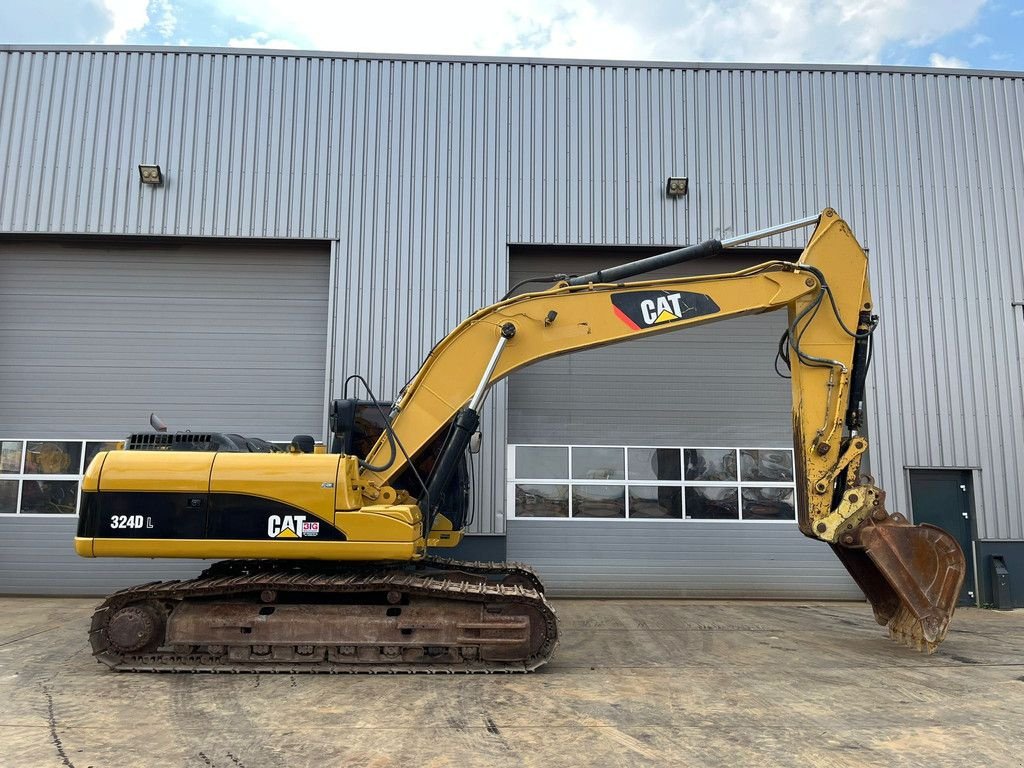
223, 236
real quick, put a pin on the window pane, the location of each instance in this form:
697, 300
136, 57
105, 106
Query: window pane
10, 457
711, 503
598, 464
710, 464
8, 496
534, 462
54, 497
654, 501
773, 466
92, 448
654, 464
768, 504
542, 501
598, 501
52, 457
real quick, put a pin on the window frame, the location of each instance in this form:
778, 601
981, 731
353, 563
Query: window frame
21, 476
511, 480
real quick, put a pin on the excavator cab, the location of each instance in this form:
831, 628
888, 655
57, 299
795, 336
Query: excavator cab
356, 427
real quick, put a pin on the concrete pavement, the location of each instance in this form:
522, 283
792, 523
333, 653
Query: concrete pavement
633, 683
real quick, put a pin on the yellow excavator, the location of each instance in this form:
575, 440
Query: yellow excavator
324, 556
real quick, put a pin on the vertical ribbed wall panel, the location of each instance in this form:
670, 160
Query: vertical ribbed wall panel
424, 171
422, 225
244, 142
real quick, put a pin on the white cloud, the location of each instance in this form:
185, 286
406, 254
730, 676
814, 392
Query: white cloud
978, 39
853, 31
947, 62
127, 16
166, 21
261, 40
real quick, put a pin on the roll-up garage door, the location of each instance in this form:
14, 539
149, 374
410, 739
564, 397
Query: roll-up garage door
96, 336
663, 466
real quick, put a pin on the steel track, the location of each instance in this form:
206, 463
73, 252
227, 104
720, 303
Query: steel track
445, 583
519, 572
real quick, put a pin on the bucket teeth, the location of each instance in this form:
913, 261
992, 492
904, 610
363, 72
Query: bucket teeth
906, 629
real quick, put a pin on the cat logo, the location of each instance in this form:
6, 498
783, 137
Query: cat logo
646, 309
287, 527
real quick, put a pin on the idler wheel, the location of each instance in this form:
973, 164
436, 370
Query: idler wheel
518, 580
135, 627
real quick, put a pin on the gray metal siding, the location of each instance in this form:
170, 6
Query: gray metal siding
217, 337
590, 558
37, 557
713, 385
424, 170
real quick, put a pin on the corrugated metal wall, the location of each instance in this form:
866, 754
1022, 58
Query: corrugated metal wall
583, 558
712, 385
212, 336
37, 558
424, 170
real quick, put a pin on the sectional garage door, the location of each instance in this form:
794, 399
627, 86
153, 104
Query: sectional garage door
95, 336
706, 404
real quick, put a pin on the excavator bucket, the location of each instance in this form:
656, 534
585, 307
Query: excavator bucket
911, 574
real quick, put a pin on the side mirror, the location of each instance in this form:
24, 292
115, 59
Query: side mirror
303, 444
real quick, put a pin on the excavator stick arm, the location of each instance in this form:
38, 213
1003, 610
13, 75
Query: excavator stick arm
911, 574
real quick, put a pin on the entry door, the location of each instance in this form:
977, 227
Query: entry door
942, 497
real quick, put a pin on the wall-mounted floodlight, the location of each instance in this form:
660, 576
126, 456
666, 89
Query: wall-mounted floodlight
676, 186
150, 174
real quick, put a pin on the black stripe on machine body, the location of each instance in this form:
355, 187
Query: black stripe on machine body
241, 516
646, 309
88, 515
196, 515
143, 515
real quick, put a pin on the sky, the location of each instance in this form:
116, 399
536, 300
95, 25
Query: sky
981, 34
